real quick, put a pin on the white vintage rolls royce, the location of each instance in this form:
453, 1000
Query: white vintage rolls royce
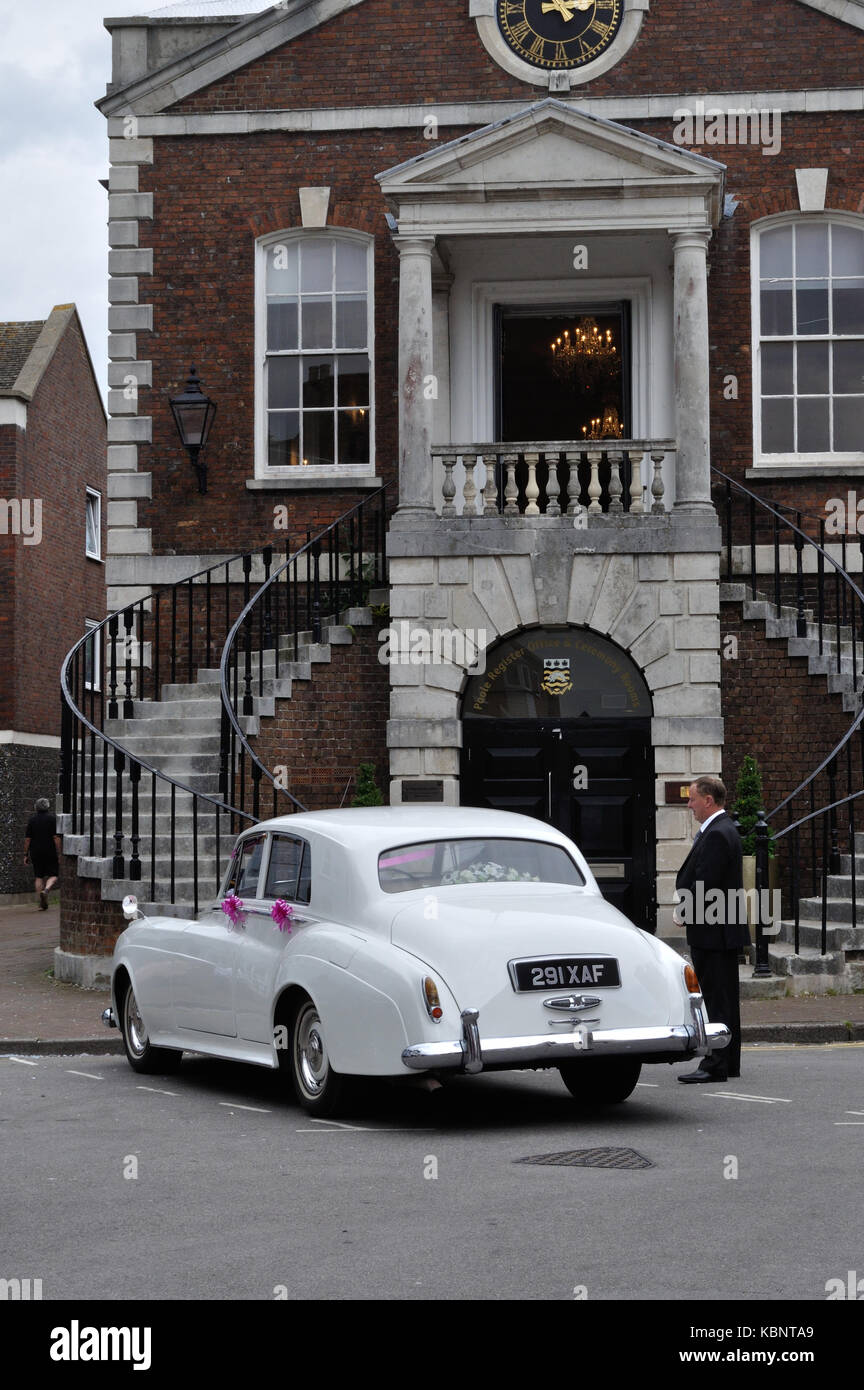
408, 941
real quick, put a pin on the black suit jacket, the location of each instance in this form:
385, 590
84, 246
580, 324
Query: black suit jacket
716, 920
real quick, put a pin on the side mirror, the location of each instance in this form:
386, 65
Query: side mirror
130, 907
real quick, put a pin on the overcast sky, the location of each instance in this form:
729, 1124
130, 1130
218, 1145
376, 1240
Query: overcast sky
55, 59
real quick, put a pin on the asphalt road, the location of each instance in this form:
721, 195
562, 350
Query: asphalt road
210, 1184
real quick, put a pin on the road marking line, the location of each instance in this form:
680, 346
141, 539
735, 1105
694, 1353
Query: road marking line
156, 1091
91, 1076
655, 1085
339, 1124
232, 1105
849, 1122
761, 1100
23, 1060
853, 1112
392, 1129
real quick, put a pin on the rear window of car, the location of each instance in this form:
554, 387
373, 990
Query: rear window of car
443, 863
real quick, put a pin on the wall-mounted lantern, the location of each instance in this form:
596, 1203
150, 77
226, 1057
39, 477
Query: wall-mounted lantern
193, 415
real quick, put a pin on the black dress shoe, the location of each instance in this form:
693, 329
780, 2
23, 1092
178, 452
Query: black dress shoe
694, 1077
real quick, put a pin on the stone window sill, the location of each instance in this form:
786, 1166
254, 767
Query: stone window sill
305, 482
828, 470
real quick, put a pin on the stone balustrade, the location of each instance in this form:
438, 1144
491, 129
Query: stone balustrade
553, 479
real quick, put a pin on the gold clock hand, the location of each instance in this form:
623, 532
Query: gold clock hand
562, 7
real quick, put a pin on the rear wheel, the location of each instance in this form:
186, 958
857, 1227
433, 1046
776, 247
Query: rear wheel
319, 1089
140, 1053
600, 1080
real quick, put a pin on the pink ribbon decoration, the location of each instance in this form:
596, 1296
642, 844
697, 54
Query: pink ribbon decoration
232, 906
282, 914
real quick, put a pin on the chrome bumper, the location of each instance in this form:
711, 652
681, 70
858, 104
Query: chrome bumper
108, 1018
471, 1053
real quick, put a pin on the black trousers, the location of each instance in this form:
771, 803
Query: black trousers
718, 976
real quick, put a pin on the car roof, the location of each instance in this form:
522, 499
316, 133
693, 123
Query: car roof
385, 826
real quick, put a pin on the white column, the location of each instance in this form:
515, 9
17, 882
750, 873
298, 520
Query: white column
692, 417
415, 372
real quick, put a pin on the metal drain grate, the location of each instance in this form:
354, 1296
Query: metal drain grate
591, 1158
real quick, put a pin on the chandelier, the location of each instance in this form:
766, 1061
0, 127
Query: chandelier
605, 426
585, 357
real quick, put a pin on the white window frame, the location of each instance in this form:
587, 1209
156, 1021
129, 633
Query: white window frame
309, 471
91, 624
830, 461
95, 497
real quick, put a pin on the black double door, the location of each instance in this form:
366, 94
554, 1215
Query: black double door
592, 779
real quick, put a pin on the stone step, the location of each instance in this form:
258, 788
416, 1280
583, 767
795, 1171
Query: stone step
168, 754
116, 889
80, 844
837, 910
839, 937
784, 961
202, 690
170, 725
178, 707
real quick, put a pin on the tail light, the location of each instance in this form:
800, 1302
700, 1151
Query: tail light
432, 1000
691, 980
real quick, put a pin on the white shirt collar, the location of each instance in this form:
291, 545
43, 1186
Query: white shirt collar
705, 824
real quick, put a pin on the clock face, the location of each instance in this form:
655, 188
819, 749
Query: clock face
559, 33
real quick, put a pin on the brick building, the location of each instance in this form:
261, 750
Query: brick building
52, 539
538, 266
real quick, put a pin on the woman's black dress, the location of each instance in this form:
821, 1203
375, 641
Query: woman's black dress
41, 829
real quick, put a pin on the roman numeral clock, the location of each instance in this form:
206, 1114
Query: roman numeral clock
558, 43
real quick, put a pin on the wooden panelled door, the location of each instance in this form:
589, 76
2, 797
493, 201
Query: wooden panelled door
592, 778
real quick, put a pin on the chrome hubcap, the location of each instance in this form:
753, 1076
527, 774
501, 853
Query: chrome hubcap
312, 1064
136, 1033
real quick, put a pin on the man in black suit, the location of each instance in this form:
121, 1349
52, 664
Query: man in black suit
713, 906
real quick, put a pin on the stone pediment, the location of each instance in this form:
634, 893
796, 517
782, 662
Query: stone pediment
550, 143
553, 149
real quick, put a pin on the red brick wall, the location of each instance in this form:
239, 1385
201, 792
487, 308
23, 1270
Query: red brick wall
62, 453
88, 926
202, 290
380, 53
331, 724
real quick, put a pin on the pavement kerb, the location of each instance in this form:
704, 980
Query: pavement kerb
803, 1034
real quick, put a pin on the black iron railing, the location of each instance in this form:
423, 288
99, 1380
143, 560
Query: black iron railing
104, 785
783, 554
155, 827
334, 570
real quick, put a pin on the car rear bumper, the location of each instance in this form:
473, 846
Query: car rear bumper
472, 1054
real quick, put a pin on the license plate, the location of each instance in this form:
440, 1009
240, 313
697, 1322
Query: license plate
570, 972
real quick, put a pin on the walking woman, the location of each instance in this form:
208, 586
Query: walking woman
41, 847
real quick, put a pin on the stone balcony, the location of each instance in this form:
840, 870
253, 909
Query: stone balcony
567, 480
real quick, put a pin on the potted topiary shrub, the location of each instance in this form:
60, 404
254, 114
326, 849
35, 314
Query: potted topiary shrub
749, 802
367, 792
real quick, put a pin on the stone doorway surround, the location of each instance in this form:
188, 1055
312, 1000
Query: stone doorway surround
659, 601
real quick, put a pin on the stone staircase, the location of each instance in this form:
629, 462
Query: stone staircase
179, 735
784, 623
841, 969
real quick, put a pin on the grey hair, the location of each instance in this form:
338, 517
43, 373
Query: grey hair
43, 804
